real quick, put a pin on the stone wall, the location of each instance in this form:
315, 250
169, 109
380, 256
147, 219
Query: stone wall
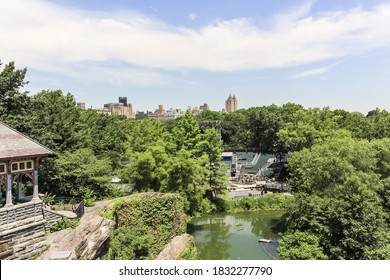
22, 231
51, 218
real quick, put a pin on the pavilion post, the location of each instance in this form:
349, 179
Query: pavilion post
20, 194
35, 192
8, 197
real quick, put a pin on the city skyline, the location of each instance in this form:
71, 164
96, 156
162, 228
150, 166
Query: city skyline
320, 53
201, 107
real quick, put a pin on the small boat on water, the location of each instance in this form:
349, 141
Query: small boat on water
263, 240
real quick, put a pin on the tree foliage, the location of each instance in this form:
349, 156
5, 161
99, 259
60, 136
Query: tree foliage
301, 246
338, 200
13, 103
104, 135
77, 173
145, 224
56, 120
182, 160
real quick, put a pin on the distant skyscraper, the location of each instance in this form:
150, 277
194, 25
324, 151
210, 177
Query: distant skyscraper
204, 107
81, 105
119, 109
160, 110
231, 104
123, 100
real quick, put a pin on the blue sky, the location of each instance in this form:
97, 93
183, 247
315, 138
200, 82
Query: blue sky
186, 53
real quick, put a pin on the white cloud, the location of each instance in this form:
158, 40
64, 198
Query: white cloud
284, 20
192, 16
313, 72
52, 38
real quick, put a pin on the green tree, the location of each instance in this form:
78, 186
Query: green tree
310, 127
78, 172
186, 176
382, 148
143, 134
301, 246
264, 123
236, 133
148, 170
329, 164
379, 121
186, 133
337, 200
14, 105
104, 135
56, 120
209, 116
210, 144
359, 126
181, 159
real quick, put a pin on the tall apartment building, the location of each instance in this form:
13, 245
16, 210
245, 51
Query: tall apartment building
160, 110
120, 109
231, 104
203, 108
81, 106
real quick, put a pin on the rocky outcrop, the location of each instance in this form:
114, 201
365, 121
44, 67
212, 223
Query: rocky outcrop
88, 241
145, 224
174, 248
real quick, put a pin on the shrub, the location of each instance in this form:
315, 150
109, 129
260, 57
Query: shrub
130, 244
63, 224
89, 198
264, 202
189, 252
222, 203
146, 223
48, 198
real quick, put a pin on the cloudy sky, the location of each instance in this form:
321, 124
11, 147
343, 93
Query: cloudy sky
179, 53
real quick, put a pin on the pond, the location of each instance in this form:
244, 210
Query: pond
235, 236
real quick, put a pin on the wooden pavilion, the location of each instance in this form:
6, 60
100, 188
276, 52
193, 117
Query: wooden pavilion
19, 157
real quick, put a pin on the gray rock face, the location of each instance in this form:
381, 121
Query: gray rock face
94, 234
90, 239
173, 249
87, 241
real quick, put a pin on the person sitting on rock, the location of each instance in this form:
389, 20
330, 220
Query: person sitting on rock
47, 205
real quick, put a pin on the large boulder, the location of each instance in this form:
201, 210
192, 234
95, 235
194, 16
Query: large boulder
88, 241
174, 249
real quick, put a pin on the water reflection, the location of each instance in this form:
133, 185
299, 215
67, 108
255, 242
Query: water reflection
235, 236
215, 232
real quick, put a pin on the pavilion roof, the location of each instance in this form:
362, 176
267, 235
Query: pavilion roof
14, 144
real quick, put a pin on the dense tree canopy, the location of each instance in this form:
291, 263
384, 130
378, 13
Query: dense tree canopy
178, 159
79, 172
56, 121
339, 200
13, 103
